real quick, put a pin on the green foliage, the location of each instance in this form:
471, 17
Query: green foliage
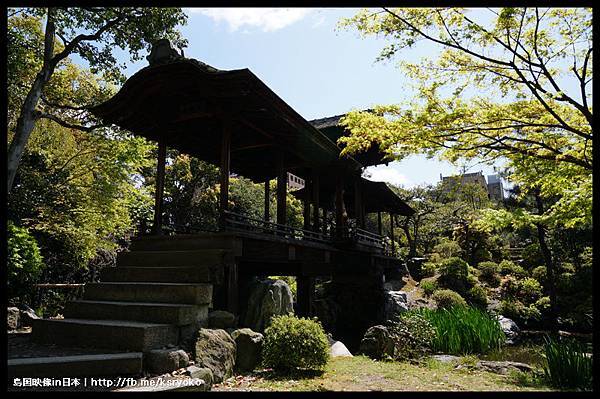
489, 272
428, 286
568, 366
448, 249
428, 269
464, 330
24, 263
522, 314
509, 267
529, 289
295, 343
532, 256
477, 297
540, 274
446, 299
413, 336
454, 274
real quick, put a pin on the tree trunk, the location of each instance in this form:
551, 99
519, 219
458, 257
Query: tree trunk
28, 117
549, 264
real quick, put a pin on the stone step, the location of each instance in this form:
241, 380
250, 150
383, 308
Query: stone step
194, 294
204, 257
157, 274
183, 242
107, 364
167, 313
109, 334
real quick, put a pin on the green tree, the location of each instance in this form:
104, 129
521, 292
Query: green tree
92, 33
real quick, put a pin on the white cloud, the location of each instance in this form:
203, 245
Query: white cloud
386, 174
266, 19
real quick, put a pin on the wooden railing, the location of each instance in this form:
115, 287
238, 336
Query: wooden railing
236, 221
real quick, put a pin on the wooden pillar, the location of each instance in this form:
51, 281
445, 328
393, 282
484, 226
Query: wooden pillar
325, 212
160, 187
267, 201
315, 193
392, 233
357, 203
306, 204
225, 163
305, 292
340, 208
281, 189
232, 288
379, 226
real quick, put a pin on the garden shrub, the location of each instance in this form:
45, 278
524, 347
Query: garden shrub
428, 269
540, 273
509, 267
488, 272
519, 312
454, 273
447, 249
567, 365
24, 263
532, 256
565, 283
413, 336
529, 289
464, 330
446, 299
428, 286
478, 297
295, 343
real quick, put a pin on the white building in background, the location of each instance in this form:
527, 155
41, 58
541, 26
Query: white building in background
294, 182
495, 188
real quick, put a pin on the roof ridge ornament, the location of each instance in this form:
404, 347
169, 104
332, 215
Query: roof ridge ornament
162, 53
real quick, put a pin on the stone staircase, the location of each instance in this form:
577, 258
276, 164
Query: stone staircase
157, 296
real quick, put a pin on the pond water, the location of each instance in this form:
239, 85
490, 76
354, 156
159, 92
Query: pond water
528, 353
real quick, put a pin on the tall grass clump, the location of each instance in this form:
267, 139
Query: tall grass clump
464, 330
567, 365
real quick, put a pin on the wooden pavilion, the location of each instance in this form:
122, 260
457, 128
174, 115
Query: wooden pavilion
233, 120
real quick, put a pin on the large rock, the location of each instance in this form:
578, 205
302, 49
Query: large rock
27, 315
221, 319
338, 349
215, 349
396, 302
377, 343
203, 373
248, 349
267, 298
510, 328
12, 318
162, 361
502, 367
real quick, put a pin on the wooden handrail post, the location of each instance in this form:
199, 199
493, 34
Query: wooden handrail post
267, 201
316, 199
225, 164
392, 234
281, 189
160, 186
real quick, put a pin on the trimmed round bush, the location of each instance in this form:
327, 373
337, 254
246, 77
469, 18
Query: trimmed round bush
510, 267
413, 336
454, 273
448, 249
478, 297
540, 273
295, 343
447, 299
428, 269
488, 272
24, 263
530, 289
428, 286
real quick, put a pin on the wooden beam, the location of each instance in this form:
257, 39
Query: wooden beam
225, 164
316, 188
160, 187
250, 147
379, 226
281, 189
305, 291
267, 215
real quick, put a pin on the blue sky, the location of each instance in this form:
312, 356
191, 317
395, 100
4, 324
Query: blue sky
317, 69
